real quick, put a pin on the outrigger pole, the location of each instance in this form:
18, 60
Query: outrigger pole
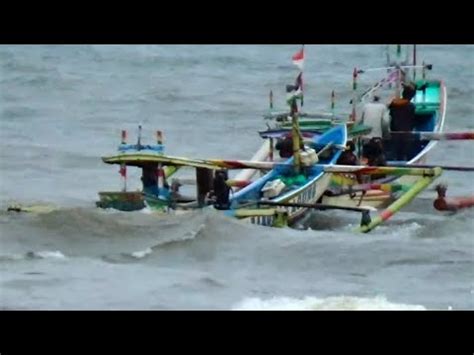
423, 66
444, 167
438, 136
401, 202
365, 220
417, 170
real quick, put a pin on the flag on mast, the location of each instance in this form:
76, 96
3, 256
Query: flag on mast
298, 58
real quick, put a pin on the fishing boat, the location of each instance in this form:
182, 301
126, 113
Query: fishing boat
295, 180
310, 178
285, 185
292, 183
390, 191
136, 155
430, 112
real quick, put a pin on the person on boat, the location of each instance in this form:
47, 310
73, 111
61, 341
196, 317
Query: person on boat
149, 179
174, 189
348, 156
373, 151
373, 154
150, 182
221, 190
373, 115
402, 113
285, 147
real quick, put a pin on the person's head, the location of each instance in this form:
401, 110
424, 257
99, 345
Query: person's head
350, 146
408, 92
376, 98
377, 143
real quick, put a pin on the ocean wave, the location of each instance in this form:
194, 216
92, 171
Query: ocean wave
328, 303
85, 231
44, 254
142, 253
47, 254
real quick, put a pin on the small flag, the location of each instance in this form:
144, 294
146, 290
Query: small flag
298, 58
123, 170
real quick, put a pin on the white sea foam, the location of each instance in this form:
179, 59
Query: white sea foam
46, 254
142, 253
329, 303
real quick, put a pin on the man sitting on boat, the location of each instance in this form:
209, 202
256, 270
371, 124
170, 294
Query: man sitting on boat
150, 182
402, 113
285, 147
373, 151
220, 192
348, 157
373, 155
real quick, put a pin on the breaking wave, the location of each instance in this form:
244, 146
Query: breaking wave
329, 303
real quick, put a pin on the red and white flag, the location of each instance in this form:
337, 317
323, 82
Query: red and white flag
123, 170
298, 58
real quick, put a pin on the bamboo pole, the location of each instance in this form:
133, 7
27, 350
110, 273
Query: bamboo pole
407, 197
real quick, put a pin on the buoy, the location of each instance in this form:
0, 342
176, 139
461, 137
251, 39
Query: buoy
442, 203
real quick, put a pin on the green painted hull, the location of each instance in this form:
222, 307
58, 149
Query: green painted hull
122, 201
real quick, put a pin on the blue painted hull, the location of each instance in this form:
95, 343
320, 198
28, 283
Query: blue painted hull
309, 191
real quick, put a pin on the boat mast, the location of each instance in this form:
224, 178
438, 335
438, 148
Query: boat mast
354, 95
139, 139
295, 133
270, 140
123, 167
414, 62
399, 71
333, 103
295, 92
